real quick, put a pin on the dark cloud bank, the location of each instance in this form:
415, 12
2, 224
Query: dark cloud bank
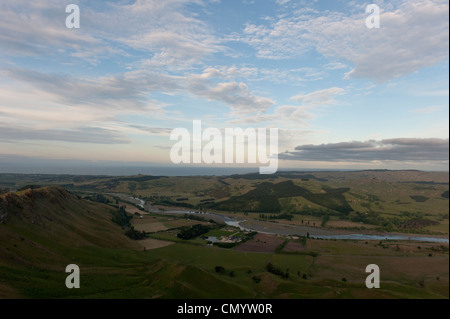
398, 149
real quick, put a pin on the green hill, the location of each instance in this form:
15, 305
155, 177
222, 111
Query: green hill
44, 230
265, 198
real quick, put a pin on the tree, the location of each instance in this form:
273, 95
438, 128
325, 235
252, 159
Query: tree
325, 219
219, 269
256, 279
135, 234
132, 186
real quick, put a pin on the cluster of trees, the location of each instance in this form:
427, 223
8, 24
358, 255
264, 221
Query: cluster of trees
419, 199
135, 234
256, 279
280, 247
325, 219
221, 270
277, 216
277, 271
415, 221
207, 200
99, 198
193, 231
225, 245
121, 218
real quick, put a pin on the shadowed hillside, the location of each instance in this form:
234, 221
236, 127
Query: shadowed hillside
44, 230
57, 215
265, 198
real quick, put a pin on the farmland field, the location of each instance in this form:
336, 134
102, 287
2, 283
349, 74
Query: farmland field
141, 248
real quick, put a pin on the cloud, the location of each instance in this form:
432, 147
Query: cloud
428, 109
282, 2
124, 91
80, 135
412, 36
294, 115
320, 97
152, 130
291, 75
335, 66
435, 93
174, 37
397, 149
282, 116
236, 95
38, 28
130, 91
165, 30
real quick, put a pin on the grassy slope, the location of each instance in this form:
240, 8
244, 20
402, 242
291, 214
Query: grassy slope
69, 230
48, 228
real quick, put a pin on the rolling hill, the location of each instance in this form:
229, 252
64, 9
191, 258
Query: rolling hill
43, 230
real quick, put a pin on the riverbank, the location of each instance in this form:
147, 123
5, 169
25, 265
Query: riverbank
271, 228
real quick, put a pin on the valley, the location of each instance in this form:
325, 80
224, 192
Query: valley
215, 236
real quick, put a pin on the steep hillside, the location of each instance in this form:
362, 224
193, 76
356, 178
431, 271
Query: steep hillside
56, 215
42, 230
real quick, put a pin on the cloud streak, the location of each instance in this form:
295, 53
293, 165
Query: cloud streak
130, 90
397, 149
90, 135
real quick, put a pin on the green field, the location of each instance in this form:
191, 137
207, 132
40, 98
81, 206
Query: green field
386, 200
45, 229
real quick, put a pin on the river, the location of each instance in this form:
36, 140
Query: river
283, 229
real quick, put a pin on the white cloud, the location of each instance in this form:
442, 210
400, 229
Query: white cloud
32, 28
165, 30
61, 100
282, 2
412, 36
428, 109
335, 66
320, 97
432, 93
82, 134
294, 115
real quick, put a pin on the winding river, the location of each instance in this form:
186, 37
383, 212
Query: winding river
283, 229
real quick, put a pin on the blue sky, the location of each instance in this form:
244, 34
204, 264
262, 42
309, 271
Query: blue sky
341, 95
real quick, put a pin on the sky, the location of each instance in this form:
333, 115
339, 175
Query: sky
342, 95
